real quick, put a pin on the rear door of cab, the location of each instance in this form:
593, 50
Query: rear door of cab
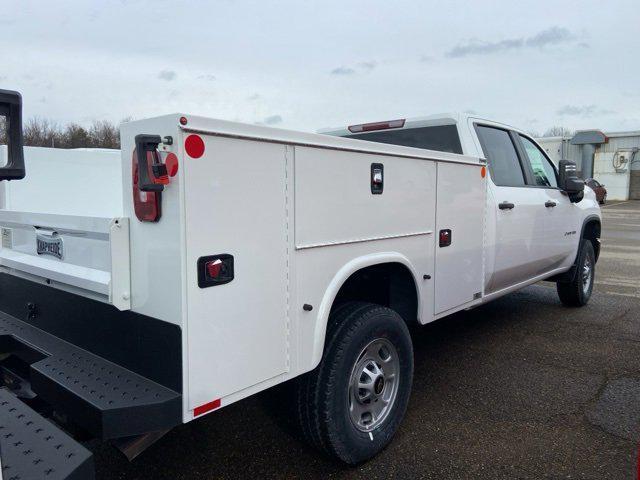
516, 212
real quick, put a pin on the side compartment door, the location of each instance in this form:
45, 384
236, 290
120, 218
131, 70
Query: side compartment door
517, 212
236, 206
460, 218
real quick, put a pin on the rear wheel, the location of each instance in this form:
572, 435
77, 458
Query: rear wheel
577, 292
351, 405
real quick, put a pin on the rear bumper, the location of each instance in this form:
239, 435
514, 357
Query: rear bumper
104, 398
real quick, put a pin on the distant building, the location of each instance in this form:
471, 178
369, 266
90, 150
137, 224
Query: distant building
612, 158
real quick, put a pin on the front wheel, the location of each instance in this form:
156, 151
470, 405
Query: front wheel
351, 405
577, 292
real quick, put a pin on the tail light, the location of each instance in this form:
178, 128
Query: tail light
146, 204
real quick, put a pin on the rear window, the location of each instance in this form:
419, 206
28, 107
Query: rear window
504, 164
443, 138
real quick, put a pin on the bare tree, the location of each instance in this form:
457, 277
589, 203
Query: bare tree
534, 133
76, 136
39, 132
558, 131
104, 134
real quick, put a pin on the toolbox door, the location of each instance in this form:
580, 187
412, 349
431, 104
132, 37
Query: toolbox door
237, 264
459, 236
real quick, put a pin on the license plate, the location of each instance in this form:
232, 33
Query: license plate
46, 245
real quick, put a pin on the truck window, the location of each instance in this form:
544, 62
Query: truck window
443, 138
504, 164
543, 172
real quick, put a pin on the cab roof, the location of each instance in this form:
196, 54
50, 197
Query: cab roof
452, 118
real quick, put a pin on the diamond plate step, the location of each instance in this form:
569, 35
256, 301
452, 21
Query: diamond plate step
31, 447
106, 399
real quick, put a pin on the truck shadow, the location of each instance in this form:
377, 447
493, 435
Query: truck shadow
255, 437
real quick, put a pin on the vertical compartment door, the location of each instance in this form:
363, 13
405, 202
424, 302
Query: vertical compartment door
236, 209
459, 235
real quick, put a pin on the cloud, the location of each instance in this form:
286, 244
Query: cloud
583, 111
551, 36
343, 71
273, 120
167, 75
360, 67
254, 97
426, 58
483, 48
207, 77
368, 66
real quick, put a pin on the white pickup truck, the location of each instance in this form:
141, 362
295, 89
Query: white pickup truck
213, 260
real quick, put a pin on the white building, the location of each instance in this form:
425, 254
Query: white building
612, 158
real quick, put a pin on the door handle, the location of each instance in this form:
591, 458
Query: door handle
506, 206
550, 204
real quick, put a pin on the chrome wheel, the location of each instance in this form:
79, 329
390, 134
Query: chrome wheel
587, 273
373, 385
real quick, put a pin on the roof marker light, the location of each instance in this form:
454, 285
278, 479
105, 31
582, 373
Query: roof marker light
368, 127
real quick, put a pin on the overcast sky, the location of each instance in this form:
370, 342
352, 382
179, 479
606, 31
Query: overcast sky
307, 65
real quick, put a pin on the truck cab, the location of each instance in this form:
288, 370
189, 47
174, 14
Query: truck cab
533, 226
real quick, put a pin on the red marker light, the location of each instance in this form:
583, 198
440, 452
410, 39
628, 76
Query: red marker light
445, 238
214, 268
172, 164
183, 120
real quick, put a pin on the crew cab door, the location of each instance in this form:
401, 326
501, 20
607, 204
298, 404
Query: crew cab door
516, 222
558, 246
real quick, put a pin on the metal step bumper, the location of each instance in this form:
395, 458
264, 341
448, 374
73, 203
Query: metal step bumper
31, 447
104, 398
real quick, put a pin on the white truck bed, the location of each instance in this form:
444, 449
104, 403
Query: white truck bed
297, 213
74, 197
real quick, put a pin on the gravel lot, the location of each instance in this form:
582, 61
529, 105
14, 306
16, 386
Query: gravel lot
519, 388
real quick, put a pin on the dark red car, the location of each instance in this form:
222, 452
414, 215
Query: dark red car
601, 192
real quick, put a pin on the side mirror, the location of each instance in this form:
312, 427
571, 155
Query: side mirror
11, 108
569, 180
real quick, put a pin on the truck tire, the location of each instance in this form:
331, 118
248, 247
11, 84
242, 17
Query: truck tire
577, 292
351, 405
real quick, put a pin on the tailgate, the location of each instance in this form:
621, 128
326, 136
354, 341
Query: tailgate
85, 255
